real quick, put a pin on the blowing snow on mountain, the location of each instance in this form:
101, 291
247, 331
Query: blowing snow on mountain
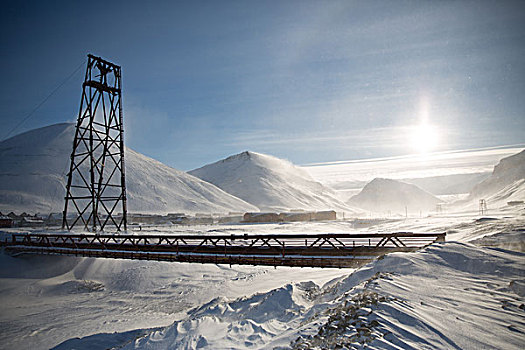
396, 197
269, 183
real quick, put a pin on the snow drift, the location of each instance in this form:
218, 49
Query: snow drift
270, 183
33, 172
453, 296
386, 195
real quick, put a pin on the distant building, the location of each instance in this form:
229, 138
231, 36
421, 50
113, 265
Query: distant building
324, 215
31, 221
290, 217
152, 219
295, 216
261, 217
6, 221
231, 219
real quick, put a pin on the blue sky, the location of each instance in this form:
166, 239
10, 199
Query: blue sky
309, 81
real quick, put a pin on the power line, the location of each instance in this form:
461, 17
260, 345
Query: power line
44, 100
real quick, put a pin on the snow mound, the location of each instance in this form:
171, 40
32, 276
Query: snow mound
508, 172
452, 295
245, 322
270, 183
386, 195
34, 166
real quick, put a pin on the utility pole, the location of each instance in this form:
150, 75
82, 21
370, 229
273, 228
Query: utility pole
482, 206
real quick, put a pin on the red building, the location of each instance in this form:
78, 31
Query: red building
6, 221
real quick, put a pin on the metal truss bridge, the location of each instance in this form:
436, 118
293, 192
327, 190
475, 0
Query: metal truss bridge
337, 250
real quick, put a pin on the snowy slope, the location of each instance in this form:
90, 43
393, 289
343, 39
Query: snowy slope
448, 184
453, 296
33, 166
383, 195
269, 183
508, 177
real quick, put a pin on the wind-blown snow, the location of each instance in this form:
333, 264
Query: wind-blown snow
505, 184
33, 172
50, 300
269, 183
386, 195
448, 184
507, 178
452, 295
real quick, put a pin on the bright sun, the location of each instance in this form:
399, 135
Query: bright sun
424, 138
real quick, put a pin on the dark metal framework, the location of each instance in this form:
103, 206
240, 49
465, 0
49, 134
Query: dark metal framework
96, 180
313, 250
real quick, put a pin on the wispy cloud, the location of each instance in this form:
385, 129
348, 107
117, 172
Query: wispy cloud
438, 164
393, 138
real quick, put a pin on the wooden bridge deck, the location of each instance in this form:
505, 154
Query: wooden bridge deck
303, 250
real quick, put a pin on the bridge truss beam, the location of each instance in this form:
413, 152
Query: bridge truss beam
313, 250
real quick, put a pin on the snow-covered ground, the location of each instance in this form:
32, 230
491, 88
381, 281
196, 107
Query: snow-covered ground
466, 293
448, 296
49, 299
451, 295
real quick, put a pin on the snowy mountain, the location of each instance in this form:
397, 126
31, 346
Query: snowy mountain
507, 181
33, 168
269, 183
448, 184
386, 195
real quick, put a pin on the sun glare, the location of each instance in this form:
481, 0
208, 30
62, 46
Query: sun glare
425, 138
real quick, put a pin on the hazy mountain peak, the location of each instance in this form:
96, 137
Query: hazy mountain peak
269, 183
388, 195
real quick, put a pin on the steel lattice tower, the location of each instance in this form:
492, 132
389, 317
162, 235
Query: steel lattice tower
96, 180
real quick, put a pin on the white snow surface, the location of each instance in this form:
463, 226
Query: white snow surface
387, 195
33, 168
451, 295
270, 183
50, 299
413, 297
